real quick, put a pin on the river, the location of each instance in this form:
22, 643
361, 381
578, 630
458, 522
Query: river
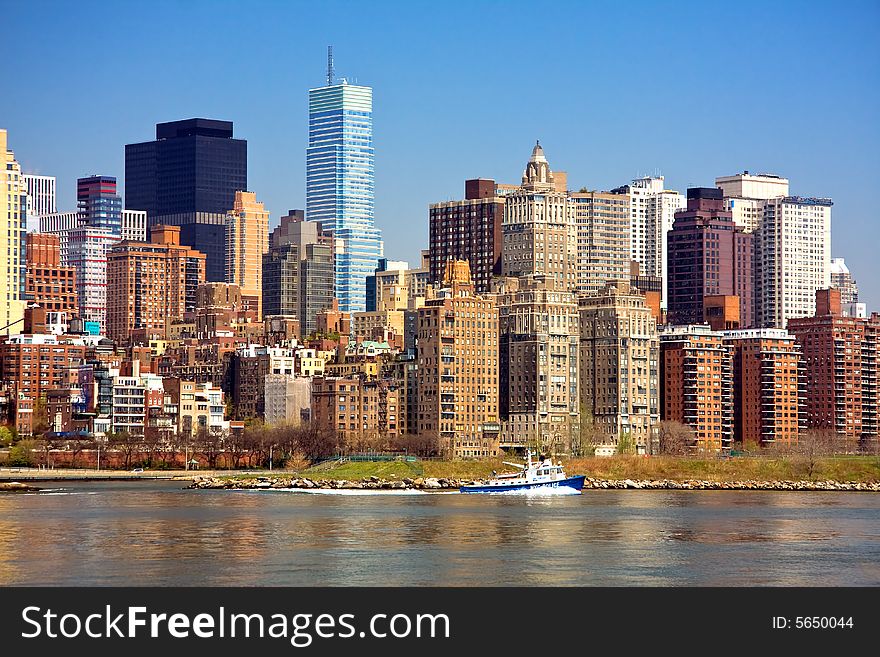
157, 533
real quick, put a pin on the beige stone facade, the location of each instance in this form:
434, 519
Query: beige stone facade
458, 367
619, 366
539, 235
538, 360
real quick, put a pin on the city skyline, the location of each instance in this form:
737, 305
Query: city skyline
816, 130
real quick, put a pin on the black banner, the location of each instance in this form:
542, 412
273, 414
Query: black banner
427, 621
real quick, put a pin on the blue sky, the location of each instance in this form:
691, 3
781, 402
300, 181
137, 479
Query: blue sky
463, 89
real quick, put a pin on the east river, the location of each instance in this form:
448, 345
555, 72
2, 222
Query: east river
157, 533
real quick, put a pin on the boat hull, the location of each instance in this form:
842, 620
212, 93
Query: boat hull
570, 482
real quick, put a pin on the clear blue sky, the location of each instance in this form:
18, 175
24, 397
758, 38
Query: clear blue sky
613, 90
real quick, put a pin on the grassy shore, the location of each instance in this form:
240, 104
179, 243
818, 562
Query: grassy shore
792, 468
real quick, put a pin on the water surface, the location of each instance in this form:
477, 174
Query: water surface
156, 533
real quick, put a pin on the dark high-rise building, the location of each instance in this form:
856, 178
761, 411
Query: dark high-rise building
468, 230
188, 177
708, 256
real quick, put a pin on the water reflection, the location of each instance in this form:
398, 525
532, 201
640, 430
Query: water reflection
155, 533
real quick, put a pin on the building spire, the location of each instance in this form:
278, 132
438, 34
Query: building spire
329, 66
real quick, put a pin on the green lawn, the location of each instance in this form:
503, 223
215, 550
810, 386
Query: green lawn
355, 470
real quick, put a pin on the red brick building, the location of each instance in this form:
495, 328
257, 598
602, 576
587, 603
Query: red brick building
34, 364
151, 284
841, 368
768, 387
696, 384
48, 284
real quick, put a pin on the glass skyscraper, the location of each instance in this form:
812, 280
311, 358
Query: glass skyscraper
188, 177
339, 184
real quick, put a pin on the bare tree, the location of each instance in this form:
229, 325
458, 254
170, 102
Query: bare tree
126, 443
675, 438
589, 434
76, 447
418, 445
812, 445
209, 443
314, 444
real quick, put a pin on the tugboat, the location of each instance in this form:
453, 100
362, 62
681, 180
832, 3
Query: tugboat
542, 473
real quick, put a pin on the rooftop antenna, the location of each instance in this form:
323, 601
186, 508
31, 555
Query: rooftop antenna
329, 66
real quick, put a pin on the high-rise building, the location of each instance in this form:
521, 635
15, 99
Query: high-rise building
48, 284
843, 280
619, 378
188, 177
40, 198
247, 239
458, 367
13, 220
340, 184
99, 204
538, 365
696, 384
841, 368
298, 272
539, 234
768, 387
792, 258
468, 230
708, 256
87, 249
603, 243
151, 284
652, 213
86, 235
745, 193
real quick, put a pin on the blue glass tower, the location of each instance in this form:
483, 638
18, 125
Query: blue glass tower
339, 184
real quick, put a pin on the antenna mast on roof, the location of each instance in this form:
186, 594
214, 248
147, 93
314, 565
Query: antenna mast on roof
329, 66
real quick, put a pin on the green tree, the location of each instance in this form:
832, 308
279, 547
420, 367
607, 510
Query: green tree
7, 436
625, 444
40, 421
22, 454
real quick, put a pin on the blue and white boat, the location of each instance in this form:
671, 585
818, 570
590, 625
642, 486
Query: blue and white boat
542, 473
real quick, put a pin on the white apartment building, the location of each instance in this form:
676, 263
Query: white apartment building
652, 213
793, 258
40, 198
41, 193
129, 405
134, 225
745, 193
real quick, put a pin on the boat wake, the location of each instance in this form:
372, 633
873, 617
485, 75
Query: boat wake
350, 491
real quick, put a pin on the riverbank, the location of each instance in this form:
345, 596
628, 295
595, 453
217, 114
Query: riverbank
737, 472
440, 484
